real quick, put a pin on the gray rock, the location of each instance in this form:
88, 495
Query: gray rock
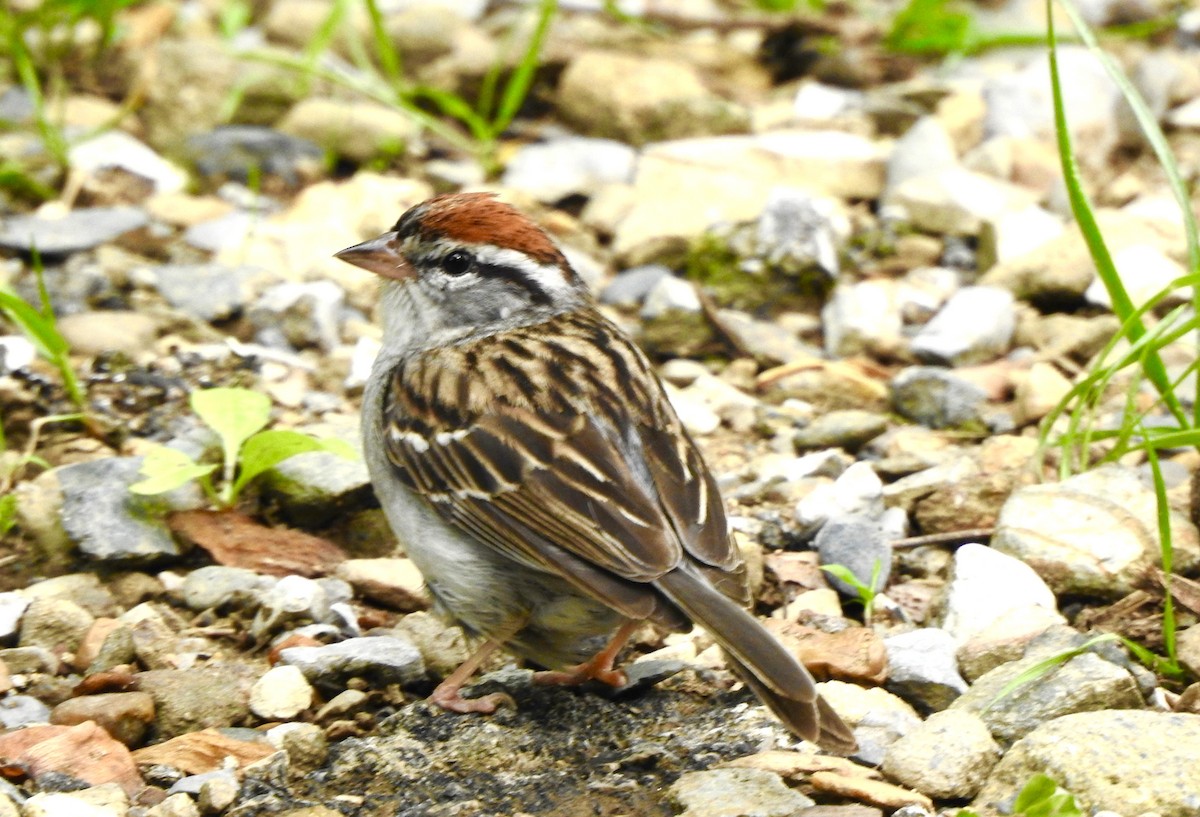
571, 166
766, 341
988, 585
736, 793
307, 315
242, 152
905, 492
936, 397
195, 699
360, 130
630, 288
383, 659
315, 487
108, 523
948, 757
81, 229
923, 670
1084, 683
795, 233
209, 292
976, 325
85, 589
667, 101
216, 587
1128, 761
56, 624
1093, 534
860, 546
22, 710
12, 607
28, 660
849, 429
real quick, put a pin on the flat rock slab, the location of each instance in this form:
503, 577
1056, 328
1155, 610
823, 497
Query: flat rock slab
78, 230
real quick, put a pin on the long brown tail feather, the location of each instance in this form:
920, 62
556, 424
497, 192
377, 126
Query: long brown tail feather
779, 680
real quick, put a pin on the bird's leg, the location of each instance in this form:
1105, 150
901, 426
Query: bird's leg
448, 694
597, 668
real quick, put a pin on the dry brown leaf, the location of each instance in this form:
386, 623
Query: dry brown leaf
203, 751
868, 791
855, 654
235, 540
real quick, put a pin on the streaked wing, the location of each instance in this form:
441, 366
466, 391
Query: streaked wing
525, 443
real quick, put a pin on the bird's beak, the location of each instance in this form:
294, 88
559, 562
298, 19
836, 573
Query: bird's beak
380, 256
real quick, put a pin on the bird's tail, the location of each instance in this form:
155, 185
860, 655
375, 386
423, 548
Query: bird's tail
780, 681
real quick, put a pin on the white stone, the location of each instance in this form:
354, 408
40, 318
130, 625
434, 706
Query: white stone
670, 294
988, 585
1013, 233
924, 148
683, 187
956, 201
818, 102
861, 317
976, 325
280, 694
576, 165
117, 149
857, 492
1145, 270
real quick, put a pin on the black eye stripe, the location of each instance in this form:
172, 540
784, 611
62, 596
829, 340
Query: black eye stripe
537, 293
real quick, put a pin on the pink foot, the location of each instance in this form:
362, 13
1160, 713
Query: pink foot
449, 697
581, 674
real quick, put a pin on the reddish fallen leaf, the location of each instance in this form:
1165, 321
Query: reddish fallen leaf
797, 568
235, 540
855, 654
204, 751
84, 751
110, 681
293, 640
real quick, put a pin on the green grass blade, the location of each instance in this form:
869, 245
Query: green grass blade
1167, 554
385, 49
1085, 217
1148, 124
517, 88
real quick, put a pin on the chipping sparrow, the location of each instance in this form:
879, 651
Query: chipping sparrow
527, 456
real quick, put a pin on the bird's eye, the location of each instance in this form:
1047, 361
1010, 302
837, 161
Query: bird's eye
458, 262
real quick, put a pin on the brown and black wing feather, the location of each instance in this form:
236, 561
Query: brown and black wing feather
524, 443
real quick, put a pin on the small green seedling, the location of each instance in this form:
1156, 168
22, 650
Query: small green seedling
866, 593
39, 326
1040, 797
239, 417
1043, 797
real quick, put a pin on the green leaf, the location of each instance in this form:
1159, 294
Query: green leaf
165, 469
235, 414
267, 449
1042, 797
8, 512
